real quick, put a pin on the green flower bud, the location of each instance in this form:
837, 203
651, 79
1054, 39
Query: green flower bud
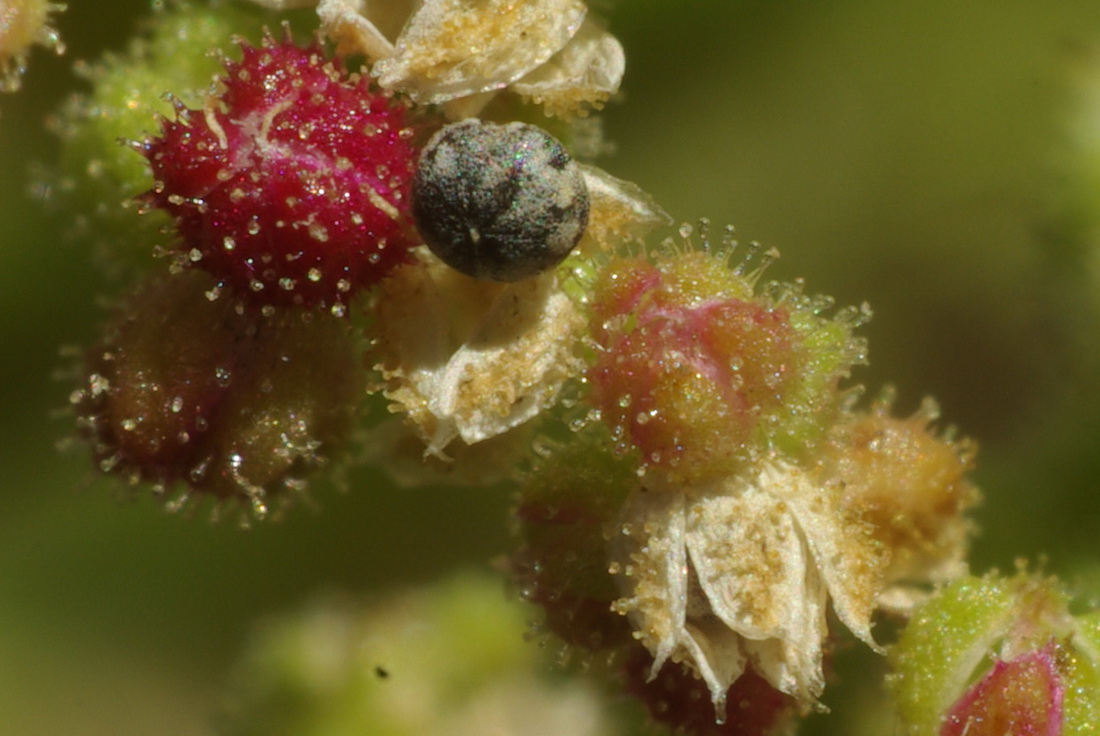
98, 176
990, 656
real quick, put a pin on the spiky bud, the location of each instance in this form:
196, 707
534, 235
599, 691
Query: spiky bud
292, 185
97, 178
911, 485
202, 396
700, 375
993, 655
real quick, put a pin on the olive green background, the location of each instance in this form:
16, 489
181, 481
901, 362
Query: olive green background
906, 154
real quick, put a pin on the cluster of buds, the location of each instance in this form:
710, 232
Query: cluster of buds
699, 485
233, 376
997, 655
281, 198
723, 491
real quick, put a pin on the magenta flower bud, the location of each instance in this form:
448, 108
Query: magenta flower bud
292, 185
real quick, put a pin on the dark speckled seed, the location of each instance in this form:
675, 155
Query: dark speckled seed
499, 202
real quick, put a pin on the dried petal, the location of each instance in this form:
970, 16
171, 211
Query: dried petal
586, 72
472, 359
741, 570
346, 22
456, 48
618, 210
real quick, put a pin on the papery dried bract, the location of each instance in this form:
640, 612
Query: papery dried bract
456, 48
586, 72
618, 211
469, 359
741, 570
461, 52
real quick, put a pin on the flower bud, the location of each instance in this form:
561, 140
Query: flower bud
911, 485
98, 177
291, 185
188, 390
564, 512
992, 656
700, 374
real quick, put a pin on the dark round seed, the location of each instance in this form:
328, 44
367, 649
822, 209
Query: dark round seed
499, 202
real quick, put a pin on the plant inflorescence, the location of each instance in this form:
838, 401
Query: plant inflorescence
358, 246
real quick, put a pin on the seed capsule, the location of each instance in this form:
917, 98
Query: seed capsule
499, 202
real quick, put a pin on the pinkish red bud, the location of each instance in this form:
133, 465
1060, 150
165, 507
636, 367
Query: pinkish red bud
292, 186
1022, 696
699, 374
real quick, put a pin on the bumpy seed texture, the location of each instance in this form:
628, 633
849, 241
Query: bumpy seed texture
499, 202
292, 186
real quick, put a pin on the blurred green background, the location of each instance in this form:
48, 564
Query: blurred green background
909, 155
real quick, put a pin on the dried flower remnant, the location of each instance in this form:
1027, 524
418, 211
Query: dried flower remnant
468, 359
292, 187
619, 212
203, 399
462, 52
24, 24
739, 572
994, 655
729, 549
391, 445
